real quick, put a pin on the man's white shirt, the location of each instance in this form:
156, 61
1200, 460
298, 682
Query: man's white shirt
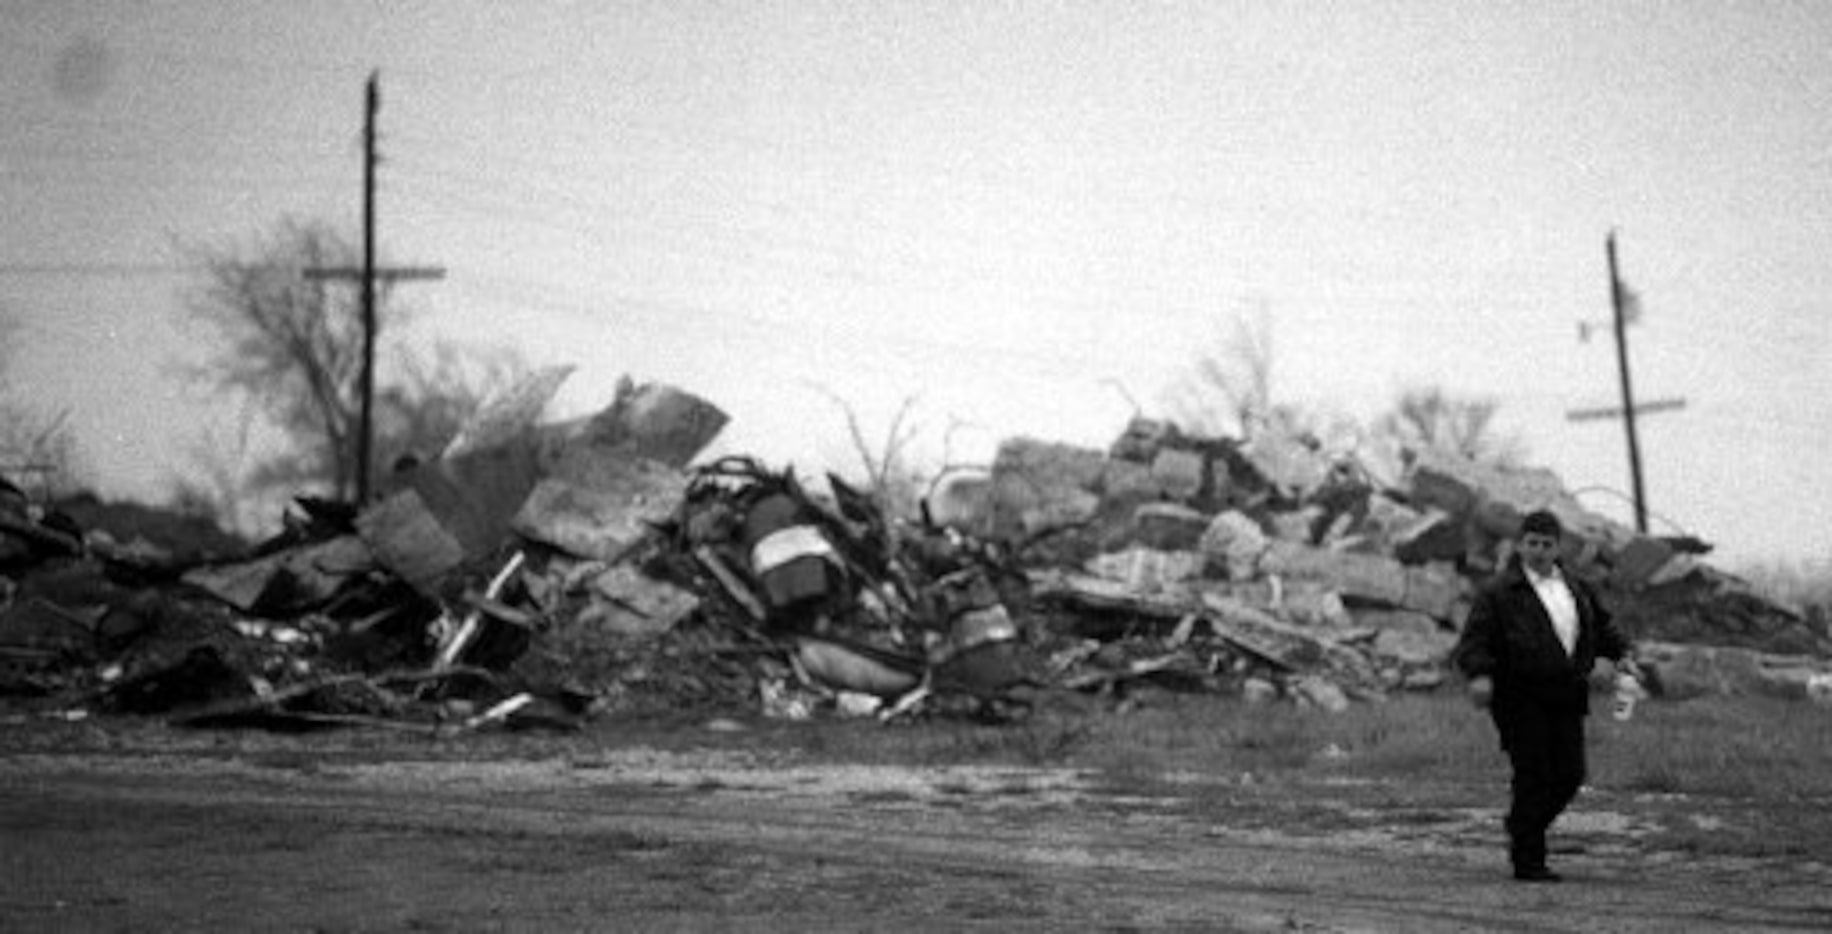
1556, 596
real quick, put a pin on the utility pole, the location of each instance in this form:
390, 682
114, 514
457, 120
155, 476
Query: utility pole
1617, 301
367, 276
372, 105
1628, 393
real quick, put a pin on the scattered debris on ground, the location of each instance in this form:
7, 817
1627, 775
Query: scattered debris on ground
534, 576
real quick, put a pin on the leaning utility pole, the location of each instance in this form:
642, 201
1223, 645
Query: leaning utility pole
367, 275
1618, 302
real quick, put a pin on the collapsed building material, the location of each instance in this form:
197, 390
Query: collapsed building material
337, 699
40, 630
1040, 485
1638, 561
1677, 671
649, 422
1236, 542
1431, 536
961, 500
1288, 647
599, 509
608, 480
458, 508
288, 582
1168, 526
458, 637
19, 538
534, 575
633, 604
201, 677
841, 665
1293, 464
409, 539
1365, 578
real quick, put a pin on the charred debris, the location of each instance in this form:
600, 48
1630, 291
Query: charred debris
535, 576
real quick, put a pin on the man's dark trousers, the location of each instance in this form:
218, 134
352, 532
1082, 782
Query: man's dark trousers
1545, 745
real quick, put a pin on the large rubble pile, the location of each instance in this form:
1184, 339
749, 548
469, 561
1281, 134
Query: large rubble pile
537, 575
1372, 571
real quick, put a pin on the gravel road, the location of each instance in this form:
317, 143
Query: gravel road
637, 839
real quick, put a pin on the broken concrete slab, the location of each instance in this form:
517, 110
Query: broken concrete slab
1291, 464
1142, 439
1410, 621
1179, 473
1708, 607
1235, 542
1314, 691
410, 540
477, 494
458, 508
286, 582
633, 604
1637, 563
1434, 535
1291, 648
1041, 485
1126, 484
1679, 671
1168, 526
1458, 485
1098, 594
1300, 602
1149, 570
606, 482
961, 500
1357, 577
1412, 647
602, 510
1295, 525
1435, 589
471, 501
648, 421
35, 627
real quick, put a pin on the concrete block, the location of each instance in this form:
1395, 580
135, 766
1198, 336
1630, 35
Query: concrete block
1434, 535
1179, 473
1168, 526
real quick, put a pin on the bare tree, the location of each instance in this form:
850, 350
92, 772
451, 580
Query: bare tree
432, 396
1431, 418
1231, 391
291, 347
889, 477
38, 449
214, 483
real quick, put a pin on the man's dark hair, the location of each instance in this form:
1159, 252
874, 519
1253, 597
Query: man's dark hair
1541, 522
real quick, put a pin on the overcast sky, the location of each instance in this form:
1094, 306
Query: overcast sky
1027, 216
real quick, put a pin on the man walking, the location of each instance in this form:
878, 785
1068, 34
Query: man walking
1527, 649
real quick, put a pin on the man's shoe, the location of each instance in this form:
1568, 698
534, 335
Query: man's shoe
1535, 874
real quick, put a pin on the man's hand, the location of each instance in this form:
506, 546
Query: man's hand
1481, 691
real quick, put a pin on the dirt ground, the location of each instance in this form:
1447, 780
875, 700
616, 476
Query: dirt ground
605, 832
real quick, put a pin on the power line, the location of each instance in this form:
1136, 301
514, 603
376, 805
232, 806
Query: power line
88, 269
520, 294
832, 259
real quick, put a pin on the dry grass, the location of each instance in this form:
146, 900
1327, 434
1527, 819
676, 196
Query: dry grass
1759, 749
1765, 750
1733, 777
